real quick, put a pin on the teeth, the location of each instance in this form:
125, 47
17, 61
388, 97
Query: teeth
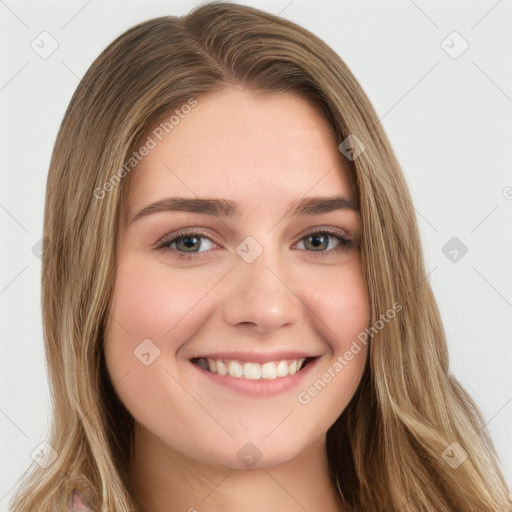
268, 371
235, 369
254, 371
222, 369
282, 369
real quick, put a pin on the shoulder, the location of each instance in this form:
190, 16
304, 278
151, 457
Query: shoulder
77, 503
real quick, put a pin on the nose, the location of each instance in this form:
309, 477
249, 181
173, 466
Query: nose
261, 295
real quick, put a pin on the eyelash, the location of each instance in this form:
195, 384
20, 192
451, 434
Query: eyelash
164, 243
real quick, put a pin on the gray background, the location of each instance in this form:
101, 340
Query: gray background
449, 120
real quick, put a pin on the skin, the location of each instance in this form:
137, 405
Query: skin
265, 152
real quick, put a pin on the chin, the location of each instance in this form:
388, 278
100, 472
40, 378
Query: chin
243, 453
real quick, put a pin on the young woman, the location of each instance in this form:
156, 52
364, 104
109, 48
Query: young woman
236, 310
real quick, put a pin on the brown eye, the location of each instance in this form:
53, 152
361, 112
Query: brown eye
188, 243
325, 242
317, 242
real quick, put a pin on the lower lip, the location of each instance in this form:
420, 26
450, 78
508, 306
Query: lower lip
258, 387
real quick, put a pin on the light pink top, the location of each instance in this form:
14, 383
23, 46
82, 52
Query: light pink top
77, 503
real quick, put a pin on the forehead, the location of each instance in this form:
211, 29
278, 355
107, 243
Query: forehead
265, 148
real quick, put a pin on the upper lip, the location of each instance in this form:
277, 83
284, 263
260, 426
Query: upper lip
256, 357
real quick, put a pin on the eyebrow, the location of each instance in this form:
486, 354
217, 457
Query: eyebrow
227, 208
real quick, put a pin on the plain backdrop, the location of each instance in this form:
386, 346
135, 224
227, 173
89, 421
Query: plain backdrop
445, 101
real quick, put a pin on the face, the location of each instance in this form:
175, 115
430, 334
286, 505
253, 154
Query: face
231, 318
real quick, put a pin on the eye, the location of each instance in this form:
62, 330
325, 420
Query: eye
186, 244
191, 243
325, 241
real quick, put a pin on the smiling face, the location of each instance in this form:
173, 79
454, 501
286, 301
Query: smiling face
218, 303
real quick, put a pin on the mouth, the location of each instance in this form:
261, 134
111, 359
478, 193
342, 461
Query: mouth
250, 370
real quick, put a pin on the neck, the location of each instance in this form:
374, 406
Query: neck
163, 478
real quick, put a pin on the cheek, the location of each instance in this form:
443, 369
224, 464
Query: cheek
151, 303
340, 301
340, 306
152, 315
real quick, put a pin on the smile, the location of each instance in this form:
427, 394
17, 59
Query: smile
251, 370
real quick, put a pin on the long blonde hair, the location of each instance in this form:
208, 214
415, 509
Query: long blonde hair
385, 450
